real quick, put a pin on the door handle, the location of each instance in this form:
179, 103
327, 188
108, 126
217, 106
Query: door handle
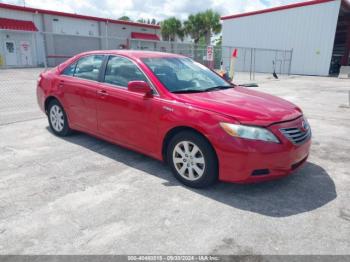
102, 93
61, 84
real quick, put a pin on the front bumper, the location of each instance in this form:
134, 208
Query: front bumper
247, 161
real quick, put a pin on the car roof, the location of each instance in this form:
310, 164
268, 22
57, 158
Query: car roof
136, 54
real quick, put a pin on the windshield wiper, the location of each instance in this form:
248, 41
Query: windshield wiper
183, 91
201, 90
217, 88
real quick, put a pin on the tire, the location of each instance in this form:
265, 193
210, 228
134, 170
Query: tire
58, 119
192, 160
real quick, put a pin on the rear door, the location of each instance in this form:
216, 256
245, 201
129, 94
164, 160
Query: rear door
79, 83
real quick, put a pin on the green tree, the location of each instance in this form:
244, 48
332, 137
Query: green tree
142, 20
170, 28
211, 25
125, 18
203, 24
218, 42
193, 27
147, 21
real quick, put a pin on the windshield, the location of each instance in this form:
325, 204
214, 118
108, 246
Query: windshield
183, 75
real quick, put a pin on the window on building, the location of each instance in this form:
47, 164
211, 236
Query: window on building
89, 67
120, 71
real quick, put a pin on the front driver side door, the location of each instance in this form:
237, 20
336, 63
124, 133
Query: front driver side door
126, 117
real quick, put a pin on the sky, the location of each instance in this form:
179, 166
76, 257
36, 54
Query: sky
158, 9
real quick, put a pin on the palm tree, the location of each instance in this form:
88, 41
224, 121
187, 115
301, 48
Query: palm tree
193, 27
203, 24
170, 28
141, 20
218, 42
211, 25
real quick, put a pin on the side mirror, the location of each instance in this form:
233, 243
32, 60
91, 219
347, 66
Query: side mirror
140, 87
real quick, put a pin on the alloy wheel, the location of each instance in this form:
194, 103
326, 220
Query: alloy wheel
189, 160
57, 118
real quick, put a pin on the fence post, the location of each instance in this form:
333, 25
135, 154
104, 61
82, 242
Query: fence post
44, 54
244, 57
254, 63
106, 32
284, 62
290, 62
251, 64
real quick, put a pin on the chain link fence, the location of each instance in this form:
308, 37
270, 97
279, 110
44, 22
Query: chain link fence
254, 61
248, 60
18, 85
18, 95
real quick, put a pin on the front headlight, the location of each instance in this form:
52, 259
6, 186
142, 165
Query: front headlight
249, 132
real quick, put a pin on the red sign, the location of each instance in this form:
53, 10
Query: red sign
25, 46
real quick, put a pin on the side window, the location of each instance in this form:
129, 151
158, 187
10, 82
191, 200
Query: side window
89, 67
120, 71
69, 70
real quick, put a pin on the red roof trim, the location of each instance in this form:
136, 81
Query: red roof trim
99, 19
279, 8
58, 56
12, 24
145, 36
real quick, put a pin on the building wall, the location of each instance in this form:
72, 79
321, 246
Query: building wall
73, 26
308, 30
118, 34
36, 40
65, 37
59, 37
18, 39
13, 14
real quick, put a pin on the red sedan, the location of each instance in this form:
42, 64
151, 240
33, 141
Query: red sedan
171, 108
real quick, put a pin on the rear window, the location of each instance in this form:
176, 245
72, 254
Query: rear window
89, 67
69, 70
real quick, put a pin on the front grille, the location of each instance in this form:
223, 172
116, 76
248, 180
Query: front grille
296, 135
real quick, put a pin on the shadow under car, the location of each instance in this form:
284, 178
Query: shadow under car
308, 188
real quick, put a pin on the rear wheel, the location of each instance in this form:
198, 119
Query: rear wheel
58, 119
192, 159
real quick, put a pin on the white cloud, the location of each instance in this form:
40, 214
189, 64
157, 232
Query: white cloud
159, 9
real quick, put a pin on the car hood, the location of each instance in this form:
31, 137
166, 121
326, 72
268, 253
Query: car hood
245, 105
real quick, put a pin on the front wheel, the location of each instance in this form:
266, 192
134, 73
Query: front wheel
192, 159
58, 119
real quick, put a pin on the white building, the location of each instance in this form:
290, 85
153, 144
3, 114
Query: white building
317, 33
35, 37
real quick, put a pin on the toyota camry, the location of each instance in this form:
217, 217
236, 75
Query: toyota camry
174, 109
